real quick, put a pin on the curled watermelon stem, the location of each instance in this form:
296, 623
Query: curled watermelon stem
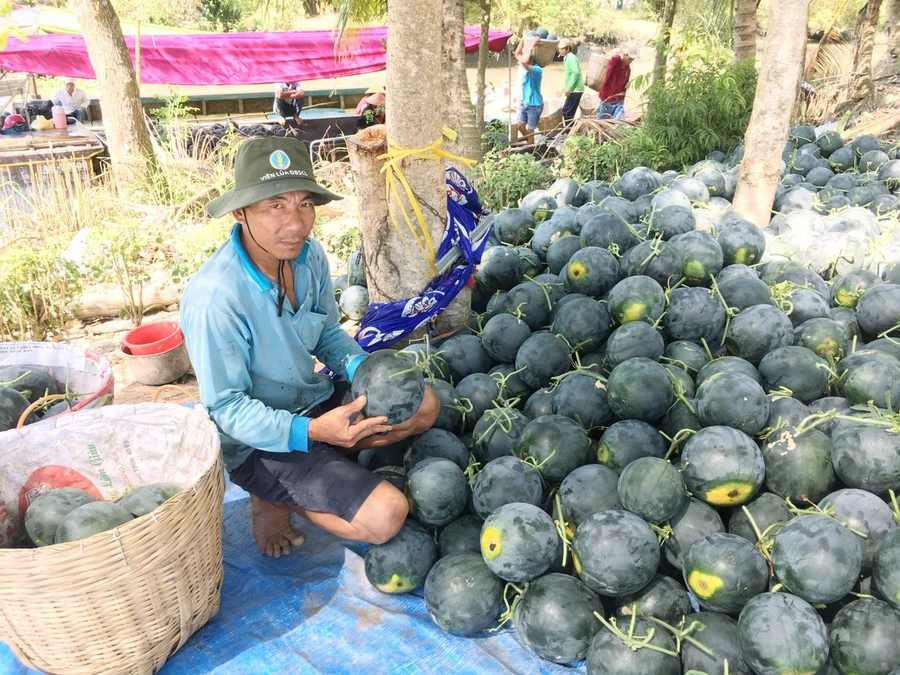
828, 512
509, 612
663, 532
630, 640
887, 334
555, 381
473, 468
534, 465
502, 383
678, 363
544, 286
706, 348
500, 417
729, 311
676, 440
655, 247
764, 540
894, 506
562, 529
465, 407
682, 634
679, 393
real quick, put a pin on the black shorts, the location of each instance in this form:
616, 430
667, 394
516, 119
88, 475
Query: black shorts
288, 107
319, 480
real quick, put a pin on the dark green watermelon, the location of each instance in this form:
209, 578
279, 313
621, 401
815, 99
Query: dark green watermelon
695, 314
502, 336
886, 568
718, 633
836, 403
587, 490
634, 339
798, 465
875, 382
847, 289
701, 256
401, 564
724, 571
682, 380
722, 466
436, 443
44, 515
450, 416
513, 226
33, 383
436, 490
12, 405
505, 480
462, 595
146, 498
592, 270
866, 514
558, 444
672, 220
780, 633
616, 553
539, 403
651, 488
758, 330
610, 655
636, 298
825, 337
463, 534
785, 411
694, 521
657, 259
741, 293
501, 268
817, 559
354, 302
797, 369
663, 598
732, 400
543, 356
561, 250
89, 519
867, 457
689, 356
767, 510
582, 398
640, 389
865, 637
606, 230
519, 542
480, 392
627, 440
829, 141
546, 233
497, 433
583, 322
539, 203
464, 355
555, 617
681, 416
513, 390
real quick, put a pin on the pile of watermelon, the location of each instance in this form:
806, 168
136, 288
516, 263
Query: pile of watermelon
69, 514
669, 442
20, 386
350, 290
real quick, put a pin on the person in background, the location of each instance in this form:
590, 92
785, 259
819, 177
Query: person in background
573, 81
612, 93
371, 109
72, 99
531, 104
289, 102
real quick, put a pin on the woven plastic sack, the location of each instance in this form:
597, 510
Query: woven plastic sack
122, 601
78, 371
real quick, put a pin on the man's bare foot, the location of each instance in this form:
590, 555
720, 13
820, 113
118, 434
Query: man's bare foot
272, 528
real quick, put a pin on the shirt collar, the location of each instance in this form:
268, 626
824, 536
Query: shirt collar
261, 280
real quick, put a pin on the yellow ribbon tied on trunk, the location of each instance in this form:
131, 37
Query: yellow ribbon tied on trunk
397, 185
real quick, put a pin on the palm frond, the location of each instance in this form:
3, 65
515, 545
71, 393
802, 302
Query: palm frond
353, 14
828, 37
831, 58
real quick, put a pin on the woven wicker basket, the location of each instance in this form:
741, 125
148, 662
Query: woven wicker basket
544, 51
118, 602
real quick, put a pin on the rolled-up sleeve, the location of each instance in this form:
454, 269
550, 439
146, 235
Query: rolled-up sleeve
219, 347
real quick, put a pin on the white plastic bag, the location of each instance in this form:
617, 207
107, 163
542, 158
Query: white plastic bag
105, 451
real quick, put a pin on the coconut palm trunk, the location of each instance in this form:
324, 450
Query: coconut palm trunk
485, 7
459, 114
744, 29
893, 22
130, 148
776, 90
862, 86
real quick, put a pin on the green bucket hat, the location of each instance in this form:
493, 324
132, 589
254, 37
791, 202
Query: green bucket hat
268, 167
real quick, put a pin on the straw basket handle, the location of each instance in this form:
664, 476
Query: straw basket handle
30, 409
172, 387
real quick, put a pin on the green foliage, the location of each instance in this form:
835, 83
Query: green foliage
121, 253
703, 104
583, 158
193, 246
342, 243
502, 181
36, 289
565, 18
496, 135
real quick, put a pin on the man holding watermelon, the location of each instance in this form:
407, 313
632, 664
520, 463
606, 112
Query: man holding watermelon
254, 316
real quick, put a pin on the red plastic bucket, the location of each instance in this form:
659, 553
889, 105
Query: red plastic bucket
153, 338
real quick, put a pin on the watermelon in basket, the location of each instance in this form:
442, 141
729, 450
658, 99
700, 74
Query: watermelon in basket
50, 379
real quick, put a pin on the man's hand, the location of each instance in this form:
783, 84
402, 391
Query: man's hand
336, 427
566, 93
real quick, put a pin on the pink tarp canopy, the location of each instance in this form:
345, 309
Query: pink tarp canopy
224, 58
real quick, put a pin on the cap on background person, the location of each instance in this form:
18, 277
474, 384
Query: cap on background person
632, 52
566, 43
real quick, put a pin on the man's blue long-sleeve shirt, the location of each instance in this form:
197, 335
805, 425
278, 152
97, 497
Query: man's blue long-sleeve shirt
256, 370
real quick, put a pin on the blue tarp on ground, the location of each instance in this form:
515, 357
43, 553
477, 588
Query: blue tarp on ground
315, 612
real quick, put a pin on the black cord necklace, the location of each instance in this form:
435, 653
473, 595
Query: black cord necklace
279, 274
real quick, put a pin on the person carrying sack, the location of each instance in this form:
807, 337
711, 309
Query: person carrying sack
573, 81
612, 94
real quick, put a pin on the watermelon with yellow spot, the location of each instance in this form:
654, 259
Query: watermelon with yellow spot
592, 270
636, 298
401, 564
741, 241
519, 542
722, 466
724, 571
